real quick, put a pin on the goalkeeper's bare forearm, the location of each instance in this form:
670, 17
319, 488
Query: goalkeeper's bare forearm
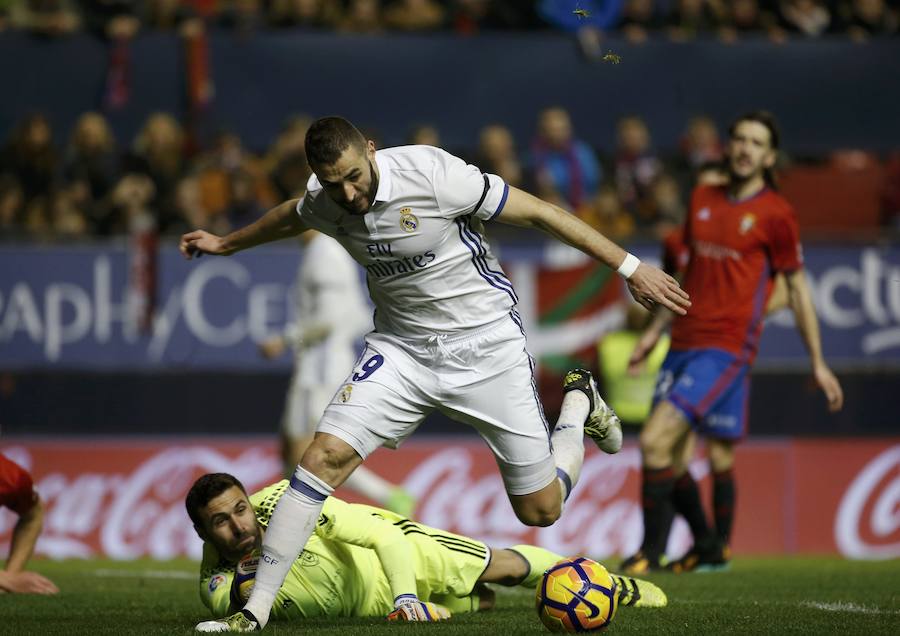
280, 222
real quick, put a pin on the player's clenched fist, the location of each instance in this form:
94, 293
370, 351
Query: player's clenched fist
410, 608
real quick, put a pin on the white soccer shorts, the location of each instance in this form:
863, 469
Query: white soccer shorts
484, 378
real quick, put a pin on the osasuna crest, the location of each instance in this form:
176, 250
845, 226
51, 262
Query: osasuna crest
344, 395
747, 222
408, 220
703, 214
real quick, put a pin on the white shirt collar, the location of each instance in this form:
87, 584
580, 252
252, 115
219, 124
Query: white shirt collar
384, 178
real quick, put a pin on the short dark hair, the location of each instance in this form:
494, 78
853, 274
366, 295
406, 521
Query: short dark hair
207, 488
763, 117
328, 138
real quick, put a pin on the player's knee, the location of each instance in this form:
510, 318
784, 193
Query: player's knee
539, 515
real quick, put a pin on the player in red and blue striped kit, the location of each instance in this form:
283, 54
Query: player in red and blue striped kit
740, 235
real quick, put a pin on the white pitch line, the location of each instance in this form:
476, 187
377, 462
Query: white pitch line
147, 574
851, 608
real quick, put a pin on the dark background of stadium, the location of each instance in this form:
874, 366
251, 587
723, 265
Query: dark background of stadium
829, 94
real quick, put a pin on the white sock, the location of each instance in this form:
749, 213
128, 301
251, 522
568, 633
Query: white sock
290, 527
568, 439
366, 483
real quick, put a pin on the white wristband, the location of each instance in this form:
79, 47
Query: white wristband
629, 265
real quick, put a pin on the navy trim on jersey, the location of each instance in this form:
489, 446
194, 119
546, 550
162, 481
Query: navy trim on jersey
499, 277
460, 224
502, 202
487, 186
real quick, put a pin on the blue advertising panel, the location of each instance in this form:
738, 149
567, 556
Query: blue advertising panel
73, 307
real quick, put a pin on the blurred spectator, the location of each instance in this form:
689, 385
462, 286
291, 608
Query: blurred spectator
31, 158
864, 19
414, 15
636, 165
468, 17
607, 215
244, 16
565, 169
742, 18
664, 210
589, 22
12, 208
92, 169
425, 135
690, 18
602, 15
132, 202
497, 155
286, 159
110, 19
158, 153
699, 146
46, 18
316, 14
67, 216
166, 15
638, 19
362, 16
809, 18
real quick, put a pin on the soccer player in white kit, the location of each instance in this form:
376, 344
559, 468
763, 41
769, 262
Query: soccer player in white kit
446, 336
331, 315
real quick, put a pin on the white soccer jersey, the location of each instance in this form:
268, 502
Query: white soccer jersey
329, 292
429, 266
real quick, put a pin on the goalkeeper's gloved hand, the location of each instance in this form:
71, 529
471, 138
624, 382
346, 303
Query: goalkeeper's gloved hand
409, 608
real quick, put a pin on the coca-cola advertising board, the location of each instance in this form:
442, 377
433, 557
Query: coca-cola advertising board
125, 499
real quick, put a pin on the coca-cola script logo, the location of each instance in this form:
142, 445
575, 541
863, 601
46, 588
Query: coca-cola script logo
867, 525
141, 513
601, 518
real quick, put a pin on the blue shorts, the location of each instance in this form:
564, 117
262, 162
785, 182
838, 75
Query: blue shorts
710, 387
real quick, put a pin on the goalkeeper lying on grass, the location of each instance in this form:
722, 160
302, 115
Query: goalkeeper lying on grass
360, 561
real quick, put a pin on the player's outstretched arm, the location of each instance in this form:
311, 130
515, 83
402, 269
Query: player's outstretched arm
14, 578
800, 301
280, 222
648, 285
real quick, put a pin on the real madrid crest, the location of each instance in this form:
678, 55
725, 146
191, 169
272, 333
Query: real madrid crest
344, 395
408, 220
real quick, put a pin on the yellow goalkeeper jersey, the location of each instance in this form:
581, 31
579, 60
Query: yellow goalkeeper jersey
341, 571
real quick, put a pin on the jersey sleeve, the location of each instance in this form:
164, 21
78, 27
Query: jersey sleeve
16, 487
675, 252
785, 251
462, 189
357, 525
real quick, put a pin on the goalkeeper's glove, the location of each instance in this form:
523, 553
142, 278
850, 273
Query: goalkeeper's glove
409, 608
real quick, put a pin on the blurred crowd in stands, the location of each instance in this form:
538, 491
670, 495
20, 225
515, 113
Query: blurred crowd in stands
637, 20
89, 183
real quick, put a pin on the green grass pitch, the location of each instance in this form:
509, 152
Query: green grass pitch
758, 596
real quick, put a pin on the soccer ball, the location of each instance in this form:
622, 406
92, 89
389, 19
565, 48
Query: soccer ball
576, 595
244, 578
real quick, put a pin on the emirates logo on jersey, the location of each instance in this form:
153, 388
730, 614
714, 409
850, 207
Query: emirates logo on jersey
408, 221
747, 223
